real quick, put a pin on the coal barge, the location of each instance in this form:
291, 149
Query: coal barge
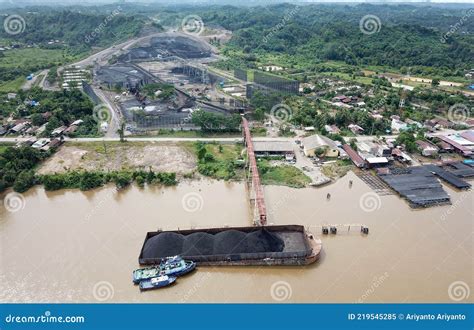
234, 246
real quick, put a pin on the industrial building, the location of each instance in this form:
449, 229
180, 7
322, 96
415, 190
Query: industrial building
121, 76
273, 148
314, 142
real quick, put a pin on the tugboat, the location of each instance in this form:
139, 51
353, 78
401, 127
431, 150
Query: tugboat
173, 266
157, 282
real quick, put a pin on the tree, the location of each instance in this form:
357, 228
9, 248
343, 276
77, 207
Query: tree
121, 131
435, 82
24, 181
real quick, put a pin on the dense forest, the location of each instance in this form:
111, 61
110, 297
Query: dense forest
75, 30
408, 35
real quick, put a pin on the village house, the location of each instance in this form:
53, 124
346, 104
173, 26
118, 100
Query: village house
332, 129
427, 149
356, 129
397, 126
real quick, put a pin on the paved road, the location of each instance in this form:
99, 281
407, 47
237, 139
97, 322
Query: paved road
30, 83
115, 114
307, 167
154, 139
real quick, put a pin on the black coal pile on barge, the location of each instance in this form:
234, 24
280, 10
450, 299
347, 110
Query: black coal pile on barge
226, 242
269, 245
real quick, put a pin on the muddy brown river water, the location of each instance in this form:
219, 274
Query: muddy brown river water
73, 246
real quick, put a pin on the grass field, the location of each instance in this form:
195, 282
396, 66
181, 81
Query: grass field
282, 175
33, 59
29, 57
12, 86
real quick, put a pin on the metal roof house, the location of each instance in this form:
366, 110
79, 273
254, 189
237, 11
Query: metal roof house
272, 148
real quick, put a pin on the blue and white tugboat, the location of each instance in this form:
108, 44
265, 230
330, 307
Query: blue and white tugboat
172, 266
157, 282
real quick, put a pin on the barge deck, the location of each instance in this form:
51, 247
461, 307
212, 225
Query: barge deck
236, 246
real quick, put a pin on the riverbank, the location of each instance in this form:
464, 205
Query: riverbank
131, 161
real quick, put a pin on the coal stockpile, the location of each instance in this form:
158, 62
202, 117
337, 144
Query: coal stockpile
197, 244
262, 241
201, 244
168, 244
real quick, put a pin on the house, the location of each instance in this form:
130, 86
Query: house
273, 148
468, 135
11, 96
3, 130
376, 162
439, 123
427, 149
339, 98
397, 126
314, 143
459, 144
356, 129
41, 143
354, 156
54, 143
413, 123
71, 129
376, 116
58, 131
20, 127
332, 129
444, 147
77, 122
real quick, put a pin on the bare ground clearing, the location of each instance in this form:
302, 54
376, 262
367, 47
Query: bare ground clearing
159, 157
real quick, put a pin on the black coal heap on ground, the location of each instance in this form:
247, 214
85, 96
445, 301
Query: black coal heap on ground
201, 244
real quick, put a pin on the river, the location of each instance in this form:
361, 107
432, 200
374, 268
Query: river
73, 246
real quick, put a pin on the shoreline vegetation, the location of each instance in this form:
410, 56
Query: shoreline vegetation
19, 170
